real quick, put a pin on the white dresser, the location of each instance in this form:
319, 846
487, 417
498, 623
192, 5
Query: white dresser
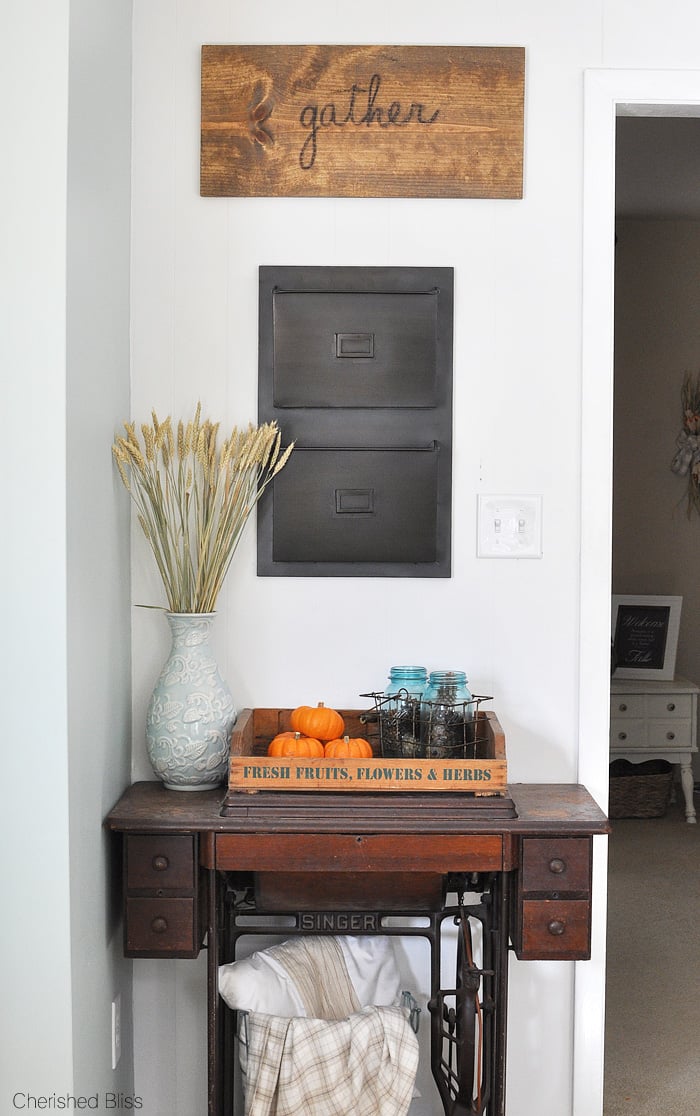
656, 720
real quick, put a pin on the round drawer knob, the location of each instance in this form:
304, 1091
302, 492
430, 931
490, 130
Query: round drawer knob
557, 866
160, 863
623, 707
670, 736
671, 706
556, 927
622, 736
159, 925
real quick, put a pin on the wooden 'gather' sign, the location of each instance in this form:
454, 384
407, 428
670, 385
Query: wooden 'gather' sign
362, 121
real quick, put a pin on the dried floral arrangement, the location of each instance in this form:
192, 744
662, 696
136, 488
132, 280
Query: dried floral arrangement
686, 461
193, 497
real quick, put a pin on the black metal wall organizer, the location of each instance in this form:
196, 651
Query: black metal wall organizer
355, 364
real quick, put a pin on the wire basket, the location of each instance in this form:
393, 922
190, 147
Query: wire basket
408, 1004
641, 790
409, 728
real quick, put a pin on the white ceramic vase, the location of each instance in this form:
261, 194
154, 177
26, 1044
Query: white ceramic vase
191, 712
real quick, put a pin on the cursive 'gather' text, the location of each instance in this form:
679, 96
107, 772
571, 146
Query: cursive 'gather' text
392, 115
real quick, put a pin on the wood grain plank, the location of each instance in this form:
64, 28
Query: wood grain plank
251, 770
343, 852
362, 121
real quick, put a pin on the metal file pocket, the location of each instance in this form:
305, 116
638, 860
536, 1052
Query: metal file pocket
357, 505
355, 349
356, 368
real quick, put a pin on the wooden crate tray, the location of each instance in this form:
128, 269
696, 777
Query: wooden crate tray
251, 769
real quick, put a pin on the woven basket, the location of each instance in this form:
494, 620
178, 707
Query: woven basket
639, 790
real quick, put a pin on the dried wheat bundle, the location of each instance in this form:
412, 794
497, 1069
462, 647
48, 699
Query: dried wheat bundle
193, 497
686, 461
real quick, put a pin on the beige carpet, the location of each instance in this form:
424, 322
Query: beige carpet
652, 1036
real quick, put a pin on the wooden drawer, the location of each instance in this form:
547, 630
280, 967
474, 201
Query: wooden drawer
350, 852
654, 736
630, 733
627, 705
669, 705
163, 898
348, 891
160, 862
654, 722
160, 927
555, 930
670, 735
552, 901
556, 865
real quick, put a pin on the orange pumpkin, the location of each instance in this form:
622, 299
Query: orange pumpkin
347, 747
294, 744
320, 721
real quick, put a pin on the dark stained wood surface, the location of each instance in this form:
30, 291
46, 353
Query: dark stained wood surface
555, 930
557, 808
304, 852
362, 121
349, 891
545, 868
530, 809
366, 812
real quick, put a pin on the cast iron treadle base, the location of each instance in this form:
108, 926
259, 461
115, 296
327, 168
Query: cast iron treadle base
467, 1022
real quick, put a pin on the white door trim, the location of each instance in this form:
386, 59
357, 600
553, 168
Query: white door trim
607, 94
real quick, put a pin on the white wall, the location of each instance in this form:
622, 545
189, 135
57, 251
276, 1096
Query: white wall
64, 374
657, 340
35, 867
98, 629
514, 626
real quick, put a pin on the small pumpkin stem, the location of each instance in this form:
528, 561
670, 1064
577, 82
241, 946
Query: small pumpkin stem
346, 739
297, 736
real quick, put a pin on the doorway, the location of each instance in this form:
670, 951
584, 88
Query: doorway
657, 342
608, 94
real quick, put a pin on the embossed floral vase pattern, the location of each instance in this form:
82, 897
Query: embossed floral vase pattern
191, 711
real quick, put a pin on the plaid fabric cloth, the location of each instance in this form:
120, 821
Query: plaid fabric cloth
364, 1065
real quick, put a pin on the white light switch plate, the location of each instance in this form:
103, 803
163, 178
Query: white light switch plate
116, 1029
509, 527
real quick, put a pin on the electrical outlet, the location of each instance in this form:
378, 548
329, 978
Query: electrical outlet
116, 1029
509, 527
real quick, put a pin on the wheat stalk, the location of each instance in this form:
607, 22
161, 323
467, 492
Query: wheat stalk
193, 497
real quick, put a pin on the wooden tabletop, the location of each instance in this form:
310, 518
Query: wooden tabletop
526, 809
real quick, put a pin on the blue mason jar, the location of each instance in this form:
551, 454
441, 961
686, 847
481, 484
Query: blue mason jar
413, 679
400, 712
447, 715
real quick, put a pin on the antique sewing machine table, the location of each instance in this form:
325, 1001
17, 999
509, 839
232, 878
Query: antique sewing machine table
520, 864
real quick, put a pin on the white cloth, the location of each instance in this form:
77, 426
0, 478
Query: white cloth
306, 1049
317, 969
262, 983
372, 968
361, 1066
259, 983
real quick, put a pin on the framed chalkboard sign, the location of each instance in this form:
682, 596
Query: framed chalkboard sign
645, 635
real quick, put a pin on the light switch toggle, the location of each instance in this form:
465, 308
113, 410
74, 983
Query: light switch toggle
509, 527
